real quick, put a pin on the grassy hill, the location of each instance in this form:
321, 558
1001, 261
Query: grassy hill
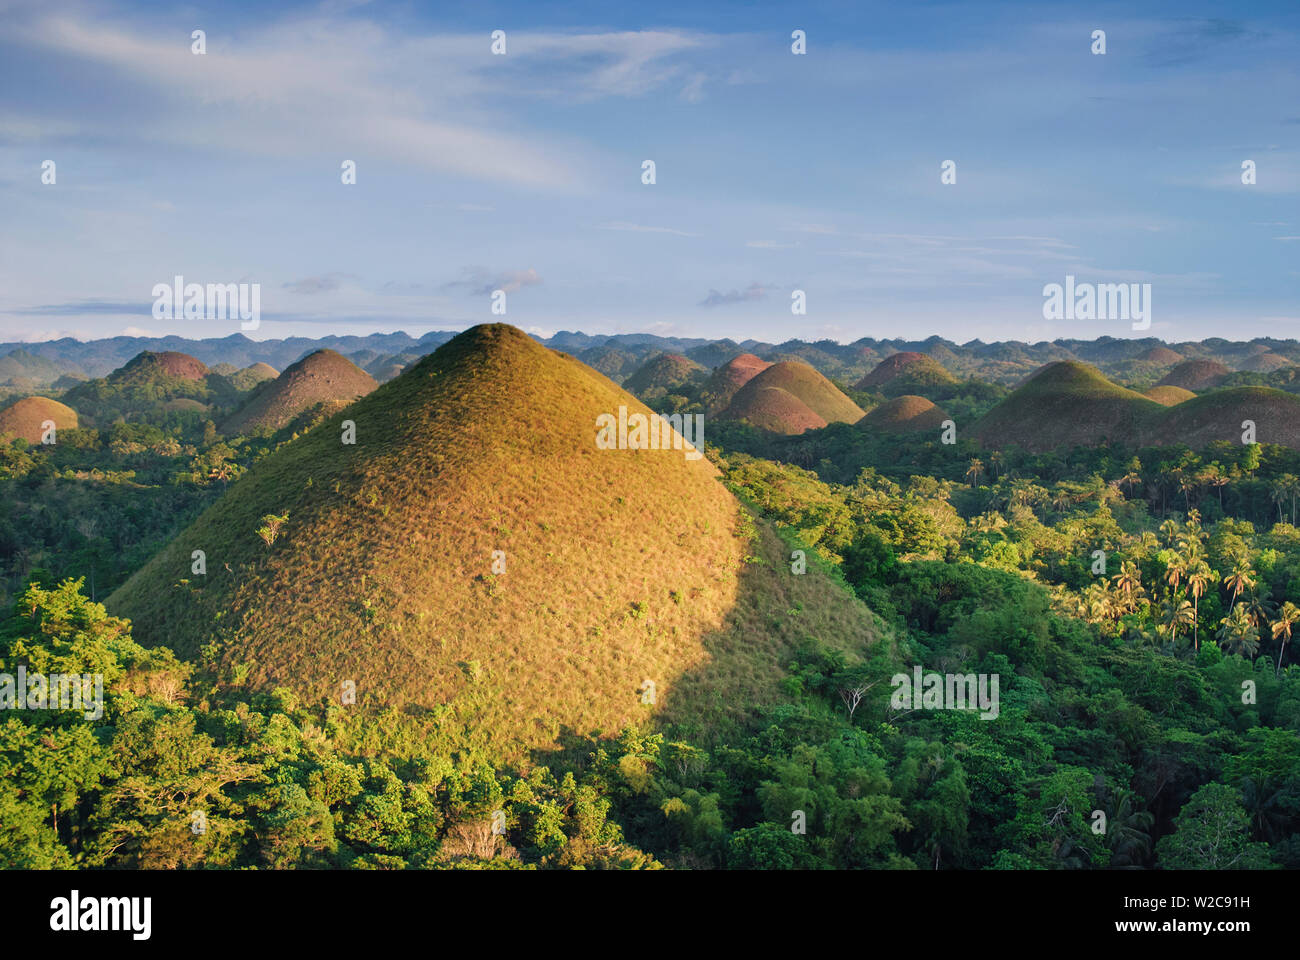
905, 414
322, 380
1168, 396
1265, 363
1195, 375
664, 374
774, 409
621, 566
1218, 415
141, 388
906, 372
1161, 357
728, 378
1065, 404
23, 418
756, 400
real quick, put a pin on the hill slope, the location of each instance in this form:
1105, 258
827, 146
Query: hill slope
23, 418
664, 374
1218, 415
1065, 404
728, 378
1195, 375
906, 372
323, 378
905, 414
621, 565
800, 382
1168, 396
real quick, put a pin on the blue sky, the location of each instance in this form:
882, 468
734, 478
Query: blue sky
775, 172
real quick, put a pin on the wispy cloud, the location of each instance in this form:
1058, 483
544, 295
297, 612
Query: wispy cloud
641, 228
480, 281
755, 291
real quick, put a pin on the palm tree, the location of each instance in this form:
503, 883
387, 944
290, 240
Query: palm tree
1169, 530
1178, 613
995, 461
1237, 634
974, 470
1278, 493
1128, 582
1174, 573
1258, 608
1199, 576
1287, 618
1128, 829
1241, 578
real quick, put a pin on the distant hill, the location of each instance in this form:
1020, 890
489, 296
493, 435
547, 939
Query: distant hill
728, 378
19, 367
23, 418
322, 380
1167, 396
664, 374
905, 414
906, 372
141, 388
383, 575
1065, 404
610, 361
1265, 363
151, 366
757, 402
1161, 357
1195, 375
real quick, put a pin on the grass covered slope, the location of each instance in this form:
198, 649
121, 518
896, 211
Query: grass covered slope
728, 378
801, 382
667, 373
774, 409
905, 414
621, 566
906, 372
1065, 404
1168, 396
1195, 375
23, 418
324, 377
1219, 414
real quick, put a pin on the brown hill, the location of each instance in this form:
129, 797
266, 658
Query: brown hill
1265, 363
1195, 375
905, 414
801, 382
771, 408
181, 366
727, 379
1161, 357
664, 374
24, 418
323, 379
906, 373
1168, 396
621, 566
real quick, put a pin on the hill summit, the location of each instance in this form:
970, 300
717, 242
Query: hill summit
324, 379
474, 554
791, 397
23, 418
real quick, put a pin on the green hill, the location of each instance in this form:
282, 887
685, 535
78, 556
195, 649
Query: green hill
1065, 404
1195, 375
664, 374
905, 414
621, 566
755, 400
1219, 414
906, 373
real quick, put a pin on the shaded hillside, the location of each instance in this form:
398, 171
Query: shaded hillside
1195, 375
905, 414
141, 388
383, 572
1065, 404
23, 418
667, 373
323, 380
802, 383
1219, 415
774, 409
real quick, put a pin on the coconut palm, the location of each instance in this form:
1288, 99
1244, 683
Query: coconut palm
974, 470
1287, 618
1168, 531
1241, 578
1199, 576
1178, 614
1237, 634
1174, 572
1129, 583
